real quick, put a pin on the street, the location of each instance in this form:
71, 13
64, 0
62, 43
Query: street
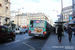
26, 42
23, 42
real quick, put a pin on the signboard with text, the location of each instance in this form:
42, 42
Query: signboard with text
70, 17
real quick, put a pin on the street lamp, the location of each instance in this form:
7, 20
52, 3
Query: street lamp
56, 11
62, 14
56, 26
18, 15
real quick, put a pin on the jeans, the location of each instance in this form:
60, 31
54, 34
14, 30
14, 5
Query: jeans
59, 37
70, 36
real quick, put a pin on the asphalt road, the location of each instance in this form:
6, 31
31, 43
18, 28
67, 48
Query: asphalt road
23, 42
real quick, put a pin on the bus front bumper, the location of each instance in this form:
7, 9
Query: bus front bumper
38, 35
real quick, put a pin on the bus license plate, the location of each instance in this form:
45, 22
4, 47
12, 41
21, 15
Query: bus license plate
36, 35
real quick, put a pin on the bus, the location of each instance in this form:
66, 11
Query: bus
40, 28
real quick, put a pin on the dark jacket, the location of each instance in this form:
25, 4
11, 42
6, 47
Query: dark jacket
69, 30
59, 31
74, 29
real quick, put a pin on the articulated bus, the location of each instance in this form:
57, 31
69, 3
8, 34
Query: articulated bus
40, 28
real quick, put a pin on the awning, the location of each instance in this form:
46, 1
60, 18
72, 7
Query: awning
24, 26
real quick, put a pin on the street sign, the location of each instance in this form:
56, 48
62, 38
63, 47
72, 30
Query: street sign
59, 15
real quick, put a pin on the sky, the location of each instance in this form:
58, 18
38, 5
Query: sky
44, 6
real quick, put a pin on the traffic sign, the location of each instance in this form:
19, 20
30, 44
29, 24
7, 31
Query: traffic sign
59, 15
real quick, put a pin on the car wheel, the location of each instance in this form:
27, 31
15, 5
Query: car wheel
24, 32
13, 38
0, 41
15, 33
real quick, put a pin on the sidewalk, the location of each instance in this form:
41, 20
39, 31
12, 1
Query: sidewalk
53, 44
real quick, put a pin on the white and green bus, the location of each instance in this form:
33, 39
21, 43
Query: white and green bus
40, 28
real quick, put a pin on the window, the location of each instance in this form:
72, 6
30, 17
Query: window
5, 4
0, 19
8, 30
3, 30
6, 12
6, 0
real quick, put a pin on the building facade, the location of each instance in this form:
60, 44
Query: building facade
24, 18
13, 15
4, 11
67, 12
73, 4
21, 20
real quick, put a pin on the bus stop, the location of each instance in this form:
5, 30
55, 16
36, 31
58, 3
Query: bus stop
58, 24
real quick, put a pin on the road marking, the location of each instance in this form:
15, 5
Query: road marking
26, 37
15, 41
9, 43
29, 45
36, 41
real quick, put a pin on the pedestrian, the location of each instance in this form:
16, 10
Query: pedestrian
59, 31
74, 30
70, 33
54, 30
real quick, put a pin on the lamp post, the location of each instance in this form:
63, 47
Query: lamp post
62, 15
18, 15
62, 9
56, 11
56, 26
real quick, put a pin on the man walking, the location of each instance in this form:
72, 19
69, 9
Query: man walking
59, 31
70, 33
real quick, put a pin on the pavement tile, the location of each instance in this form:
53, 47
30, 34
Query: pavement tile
53, 44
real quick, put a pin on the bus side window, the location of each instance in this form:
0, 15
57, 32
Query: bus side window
31, 23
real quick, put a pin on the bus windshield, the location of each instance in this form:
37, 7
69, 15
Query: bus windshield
38, 23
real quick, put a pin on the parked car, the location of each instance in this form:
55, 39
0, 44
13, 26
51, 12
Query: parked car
6, 33
25, 29
19, 30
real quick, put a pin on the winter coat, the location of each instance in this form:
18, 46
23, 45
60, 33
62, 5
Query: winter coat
59, 31
69, 30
